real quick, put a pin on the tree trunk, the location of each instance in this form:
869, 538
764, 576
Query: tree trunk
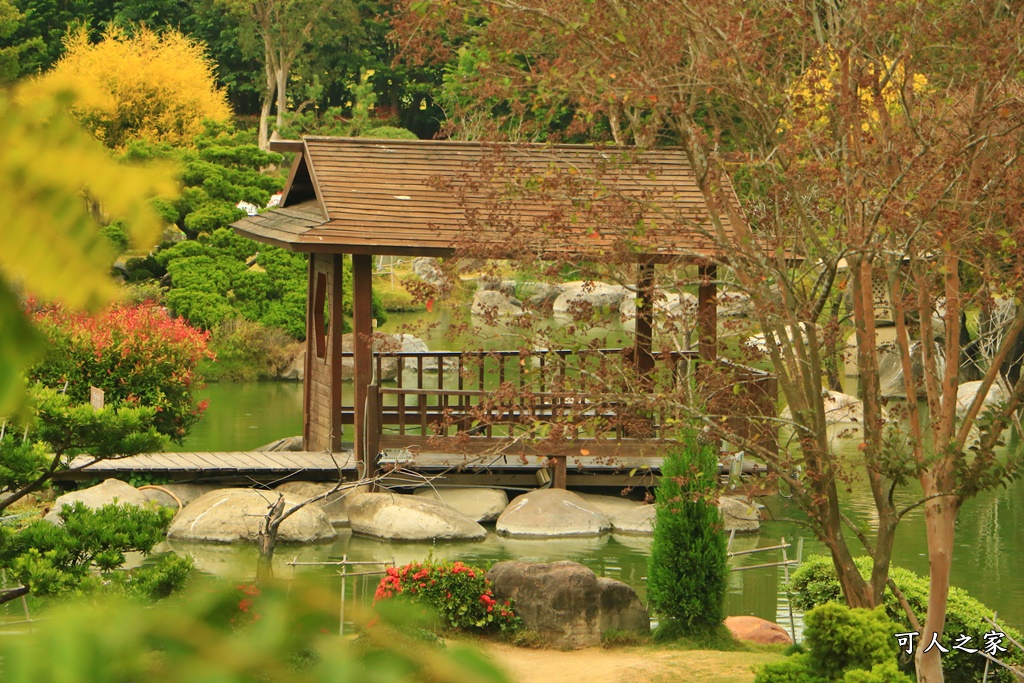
268, 101
940, 522
266, 541
282, 95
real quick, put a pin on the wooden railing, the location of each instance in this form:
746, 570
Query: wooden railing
477, 392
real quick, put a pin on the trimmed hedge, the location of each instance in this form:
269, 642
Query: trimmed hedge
815, 583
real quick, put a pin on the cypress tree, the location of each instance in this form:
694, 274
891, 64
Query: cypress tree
687, 572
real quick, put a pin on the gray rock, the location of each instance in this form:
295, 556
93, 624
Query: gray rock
483, 505
612, 506
334, 506
494, 284
540, 296
552, 513
108, 492
428, 270
601, 296
490, 302
173, 234
739, 514
295, 370
566, 603
231, 515
390, 343
734, 304
169, 495
409, 518
289, 443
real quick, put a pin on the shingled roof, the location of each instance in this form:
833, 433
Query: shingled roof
433, 198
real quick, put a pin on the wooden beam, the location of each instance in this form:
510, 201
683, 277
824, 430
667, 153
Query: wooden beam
362, 335
644, 323
287, 146
307, 435
707, 313
334, 340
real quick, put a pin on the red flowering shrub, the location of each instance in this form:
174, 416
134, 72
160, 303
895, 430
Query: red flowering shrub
137, 355
459, 594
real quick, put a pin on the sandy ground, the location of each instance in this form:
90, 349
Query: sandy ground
632, 664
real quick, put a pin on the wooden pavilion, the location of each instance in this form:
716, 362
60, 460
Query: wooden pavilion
368, 197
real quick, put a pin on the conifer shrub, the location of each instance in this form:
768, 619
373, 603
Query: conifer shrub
687, 572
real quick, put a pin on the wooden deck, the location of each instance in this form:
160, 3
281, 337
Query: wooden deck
513, 470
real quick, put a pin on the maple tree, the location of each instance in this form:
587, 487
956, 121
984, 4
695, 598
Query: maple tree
875, 145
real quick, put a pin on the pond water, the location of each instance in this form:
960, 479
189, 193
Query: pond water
988, 557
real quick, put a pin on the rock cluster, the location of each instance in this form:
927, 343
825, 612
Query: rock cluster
566, 603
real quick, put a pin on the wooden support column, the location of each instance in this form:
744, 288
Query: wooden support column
321, 408
643, 323
558, 472
362, 338
707, 313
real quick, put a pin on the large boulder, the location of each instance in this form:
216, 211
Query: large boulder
552, 513
482, 505
839, 408
739, 514
566, 603
671, 304
170, 495
489, 302
890, 368
429, 270
334, 505
757, 630
295, 370
388, 343
968, 391
540, 296
231, 515
397, 517
288, 443
110, 491
600, 296
637, 522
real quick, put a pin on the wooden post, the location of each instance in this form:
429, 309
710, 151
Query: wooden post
321, 399
372, 430
644, 325
707, 313
558, 474
362, 333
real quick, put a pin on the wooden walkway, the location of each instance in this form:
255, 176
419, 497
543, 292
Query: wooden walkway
509, 470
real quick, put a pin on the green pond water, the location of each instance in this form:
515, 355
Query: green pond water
988, 557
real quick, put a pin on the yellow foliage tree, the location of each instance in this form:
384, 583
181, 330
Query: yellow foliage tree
158, 87
57, 180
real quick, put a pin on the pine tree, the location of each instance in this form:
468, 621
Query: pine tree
687, 572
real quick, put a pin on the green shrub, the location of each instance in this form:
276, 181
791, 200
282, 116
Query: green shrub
137, 355
815, 583
459, 594
840, 639
117, 236
843, 644
687, 572
247, 351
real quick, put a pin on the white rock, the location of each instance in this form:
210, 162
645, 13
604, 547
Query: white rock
480, 504
230, 515
551, 513
966, 392
108, 492
757, 342
409, 518
167, 493
669, 304
600, 295
839, 408
637, 522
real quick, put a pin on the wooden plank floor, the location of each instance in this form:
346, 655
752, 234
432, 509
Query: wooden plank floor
223, 461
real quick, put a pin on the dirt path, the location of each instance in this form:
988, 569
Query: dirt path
635, 665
